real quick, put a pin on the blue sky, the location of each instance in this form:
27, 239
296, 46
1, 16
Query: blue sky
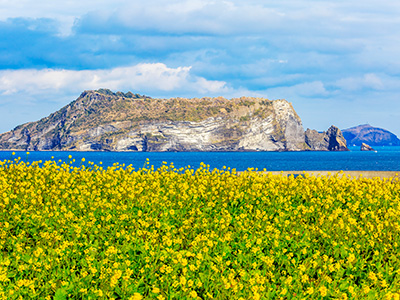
336, 61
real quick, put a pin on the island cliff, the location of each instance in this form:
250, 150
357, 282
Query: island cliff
103, 120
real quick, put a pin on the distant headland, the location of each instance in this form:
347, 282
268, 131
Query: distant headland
367, 134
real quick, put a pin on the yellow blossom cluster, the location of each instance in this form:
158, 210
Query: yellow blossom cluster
118, 233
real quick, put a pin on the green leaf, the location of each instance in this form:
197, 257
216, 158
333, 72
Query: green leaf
343, 286
60, 294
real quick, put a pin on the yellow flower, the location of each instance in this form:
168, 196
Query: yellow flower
384, 284
323, 290
351, 290
182, 226
351, 258
256, 296
184, 262
193, 294
183, 280
136, 296
304, 278
372, 276
310, 290
366, 289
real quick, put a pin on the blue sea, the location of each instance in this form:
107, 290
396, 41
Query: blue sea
385, 159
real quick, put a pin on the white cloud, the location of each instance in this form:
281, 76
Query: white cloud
304, 18
157, 78
218, 17
366, 82
184, 17
312, 89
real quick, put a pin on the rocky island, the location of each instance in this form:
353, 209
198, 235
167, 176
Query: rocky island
107, 121
366, 147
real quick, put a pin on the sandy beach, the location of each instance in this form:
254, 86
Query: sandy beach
357, 174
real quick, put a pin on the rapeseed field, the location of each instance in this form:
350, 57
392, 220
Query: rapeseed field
89, 232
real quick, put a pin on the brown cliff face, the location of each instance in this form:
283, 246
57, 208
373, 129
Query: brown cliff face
332, 140
317, 141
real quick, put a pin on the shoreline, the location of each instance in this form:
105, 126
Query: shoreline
357, 174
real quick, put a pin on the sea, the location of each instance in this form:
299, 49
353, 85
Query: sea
383, 159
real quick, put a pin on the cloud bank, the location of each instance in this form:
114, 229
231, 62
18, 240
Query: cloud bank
156, 78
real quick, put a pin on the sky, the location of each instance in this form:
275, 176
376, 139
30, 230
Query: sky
337, 62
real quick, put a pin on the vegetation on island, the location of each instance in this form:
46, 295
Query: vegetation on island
118, 233
95, 108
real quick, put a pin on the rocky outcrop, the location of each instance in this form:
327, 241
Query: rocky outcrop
331, 140
107, 121
316, 141
372, 136
336, 140
365, 147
